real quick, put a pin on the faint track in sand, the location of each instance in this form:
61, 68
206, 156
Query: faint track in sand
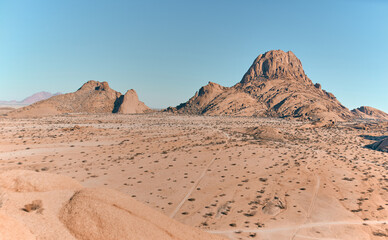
315, 194
196, 183
313, 198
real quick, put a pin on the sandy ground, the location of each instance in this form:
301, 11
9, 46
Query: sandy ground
7, 108
206, 172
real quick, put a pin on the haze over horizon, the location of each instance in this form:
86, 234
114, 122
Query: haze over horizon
167, 50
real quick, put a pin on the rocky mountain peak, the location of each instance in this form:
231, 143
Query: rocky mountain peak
95, 85
209, 88
275, 64
132, 92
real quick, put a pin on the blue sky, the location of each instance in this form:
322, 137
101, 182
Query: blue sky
166, 50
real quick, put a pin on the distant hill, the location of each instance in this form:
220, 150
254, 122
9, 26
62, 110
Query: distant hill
38, 97
92, 97
31, 99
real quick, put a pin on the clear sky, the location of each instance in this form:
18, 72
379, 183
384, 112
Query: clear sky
166, 50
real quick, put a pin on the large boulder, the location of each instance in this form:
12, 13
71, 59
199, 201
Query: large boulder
131, 104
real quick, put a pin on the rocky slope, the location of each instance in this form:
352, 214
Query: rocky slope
274, 86
48, 206
365, 112
92, 97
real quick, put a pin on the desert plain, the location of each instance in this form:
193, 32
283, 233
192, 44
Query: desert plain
236, 177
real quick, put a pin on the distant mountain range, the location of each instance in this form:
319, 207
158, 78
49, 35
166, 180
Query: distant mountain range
31, 99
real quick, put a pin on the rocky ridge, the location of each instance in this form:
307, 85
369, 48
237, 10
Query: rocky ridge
365, 112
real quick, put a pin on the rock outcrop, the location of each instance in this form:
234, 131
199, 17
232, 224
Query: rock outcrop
262, 133
92, 97
274, 86
276, 64
52, 211
130, 103
201, 99
365, 112
381, 145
